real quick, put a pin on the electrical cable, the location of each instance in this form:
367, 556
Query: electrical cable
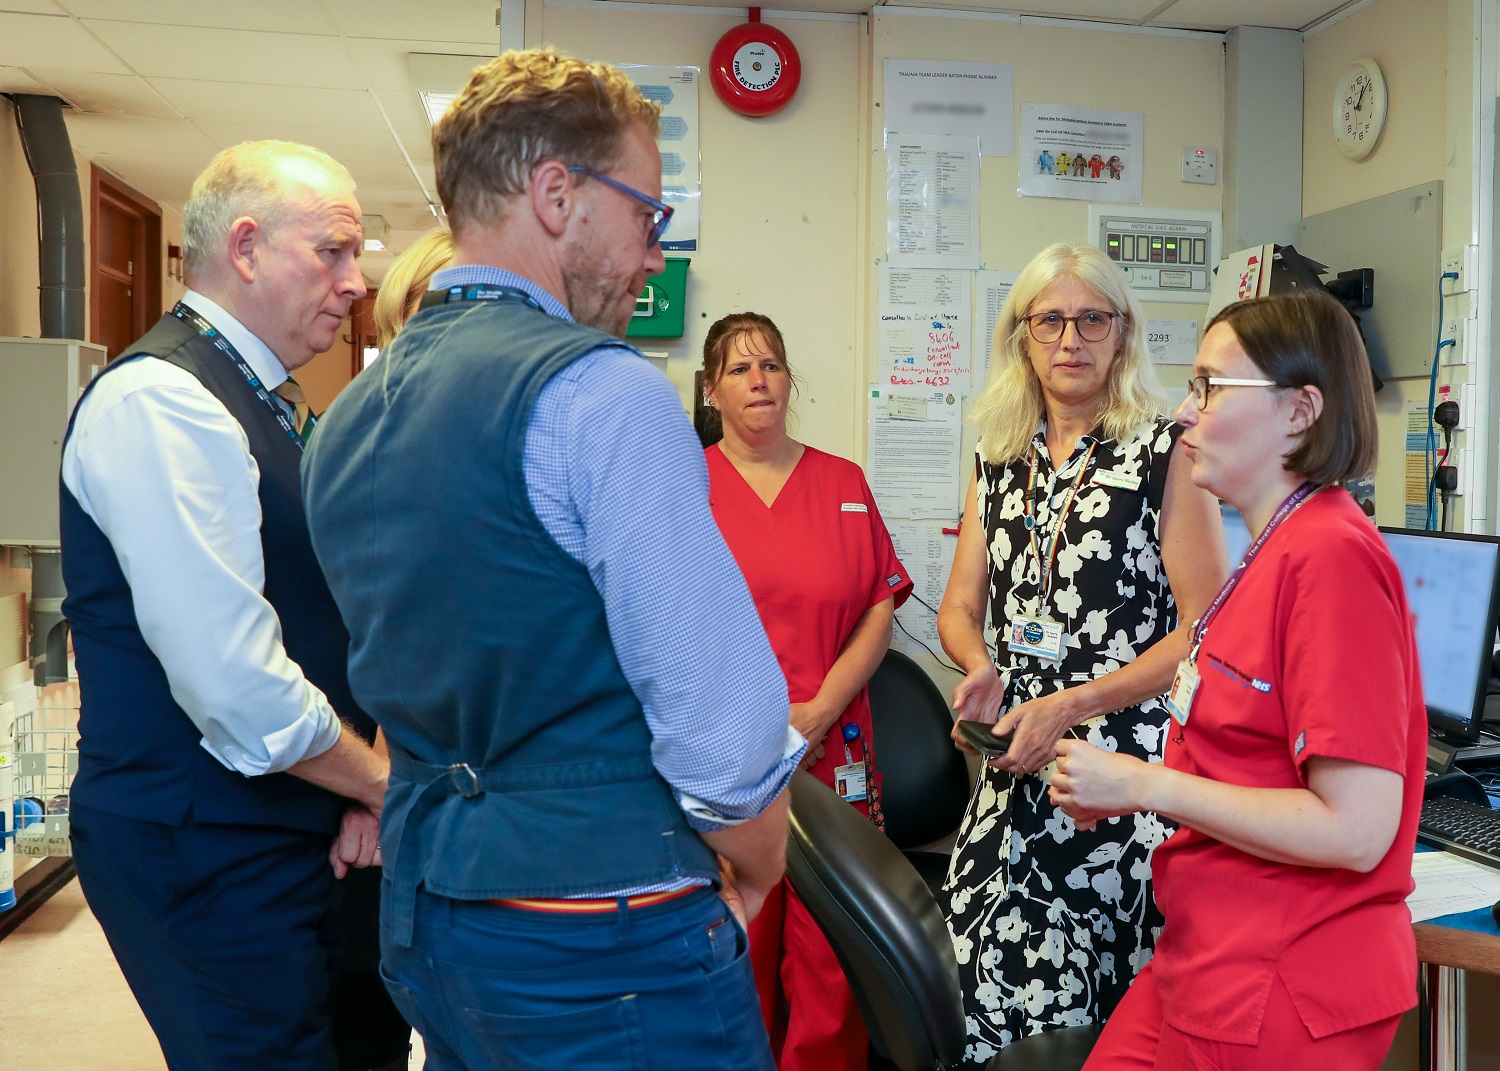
936, 657
1429, 456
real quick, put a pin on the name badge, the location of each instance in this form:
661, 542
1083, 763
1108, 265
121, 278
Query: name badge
1184, 687
1040, 637
853, 507
1109, 478
849, 781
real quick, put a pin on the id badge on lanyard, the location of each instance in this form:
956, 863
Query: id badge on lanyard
1038, 634
1035, 635
852, 780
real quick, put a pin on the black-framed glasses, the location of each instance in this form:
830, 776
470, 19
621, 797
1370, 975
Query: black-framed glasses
1092, 326
663, 211
1199, 386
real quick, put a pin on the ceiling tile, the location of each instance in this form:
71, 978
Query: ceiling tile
472, 21
20, 80
285, 59
230, 102
400, 201
1118, 11
377, 169
108, 94
40, 7
99, 134
385, 67
219, 14
1221, 15
164, 177
45, 41
336, 143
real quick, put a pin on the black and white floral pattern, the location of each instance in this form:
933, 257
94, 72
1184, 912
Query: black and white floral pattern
1050, 924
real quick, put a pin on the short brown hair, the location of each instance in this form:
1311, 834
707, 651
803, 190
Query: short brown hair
728, 328
524, 108
1307, 339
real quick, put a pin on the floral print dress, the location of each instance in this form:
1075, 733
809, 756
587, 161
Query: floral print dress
1049, 923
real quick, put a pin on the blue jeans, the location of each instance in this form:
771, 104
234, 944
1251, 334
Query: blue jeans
652, 989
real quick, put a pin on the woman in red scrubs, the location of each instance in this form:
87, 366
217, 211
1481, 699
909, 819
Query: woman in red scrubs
804, 529
1296, 754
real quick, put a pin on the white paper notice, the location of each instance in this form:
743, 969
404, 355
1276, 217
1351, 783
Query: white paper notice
1448, 884
968, 99
1172, 341
1085, 154
912, 465
925, 328
928, 556
676, 90
932, 201
991, 288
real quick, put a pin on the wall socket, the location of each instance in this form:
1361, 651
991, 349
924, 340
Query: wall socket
1453, 327
1461, 261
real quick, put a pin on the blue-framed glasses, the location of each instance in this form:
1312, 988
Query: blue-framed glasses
663, 211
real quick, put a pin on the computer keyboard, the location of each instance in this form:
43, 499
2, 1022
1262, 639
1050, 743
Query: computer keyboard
1462, 828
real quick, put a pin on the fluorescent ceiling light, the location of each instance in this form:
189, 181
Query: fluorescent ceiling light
438, 78
435, 104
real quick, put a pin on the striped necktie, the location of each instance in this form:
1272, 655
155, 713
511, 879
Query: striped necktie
303, 419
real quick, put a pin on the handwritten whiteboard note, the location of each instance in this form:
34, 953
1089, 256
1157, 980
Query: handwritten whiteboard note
925, 329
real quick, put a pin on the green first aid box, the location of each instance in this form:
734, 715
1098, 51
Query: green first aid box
661, 308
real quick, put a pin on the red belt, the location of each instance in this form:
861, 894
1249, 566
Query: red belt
593, 905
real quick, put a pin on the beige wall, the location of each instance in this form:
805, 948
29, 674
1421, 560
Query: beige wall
780, 203
1423, 48
1182, 103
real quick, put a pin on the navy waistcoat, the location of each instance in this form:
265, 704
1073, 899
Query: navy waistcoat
521, 759
138, 753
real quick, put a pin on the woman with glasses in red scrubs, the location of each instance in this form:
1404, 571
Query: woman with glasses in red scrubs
1298, 741
819, 563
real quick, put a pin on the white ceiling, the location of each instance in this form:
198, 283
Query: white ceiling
158, 86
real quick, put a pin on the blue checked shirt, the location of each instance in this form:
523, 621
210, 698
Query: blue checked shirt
617, 478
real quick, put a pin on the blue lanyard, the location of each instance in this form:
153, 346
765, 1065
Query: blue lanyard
1295, 501
487, 292
193, 319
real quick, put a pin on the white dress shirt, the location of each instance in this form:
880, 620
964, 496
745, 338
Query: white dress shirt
164, 470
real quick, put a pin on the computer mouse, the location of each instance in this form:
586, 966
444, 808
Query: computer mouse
1495, 912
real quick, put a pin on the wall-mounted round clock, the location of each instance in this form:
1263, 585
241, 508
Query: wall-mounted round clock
1359, 104
755, 68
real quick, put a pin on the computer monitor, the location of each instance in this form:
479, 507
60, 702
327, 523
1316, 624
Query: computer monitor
1453, 588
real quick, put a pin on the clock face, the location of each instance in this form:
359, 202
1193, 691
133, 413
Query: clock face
757, 66
1359, 106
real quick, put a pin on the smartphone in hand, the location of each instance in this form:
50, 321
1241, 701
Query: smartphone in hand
978, 735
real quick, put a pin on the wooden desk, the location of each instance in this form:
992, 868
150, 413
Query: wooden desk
1465, 950
1446, 952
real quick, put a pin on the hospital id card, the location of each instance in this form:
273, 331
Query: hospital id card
1184, 687
1040, 637
849, 781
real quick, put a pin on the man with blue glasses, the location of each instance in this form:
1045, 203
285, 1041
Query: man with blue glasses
511, 507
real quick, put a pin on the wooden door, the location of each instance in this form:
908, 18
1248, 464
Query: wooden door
124, 263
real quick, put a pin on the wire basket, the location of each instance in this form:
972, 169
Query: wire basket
46, 758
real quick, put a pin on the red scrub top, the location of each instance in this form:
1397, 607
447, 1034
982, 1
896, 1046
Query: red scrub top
1312, 654
815, 560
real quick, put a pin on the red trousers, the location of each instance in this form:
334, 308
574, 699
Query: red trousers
809, 1010
1137, 1039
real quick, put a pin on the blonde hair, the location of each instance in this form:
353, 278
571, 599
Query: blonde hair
250, 179
1011, 405
522, 109
406, 281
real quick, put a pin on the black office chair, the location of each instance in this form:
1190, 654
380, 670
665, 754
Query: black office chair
884, 926
891, 940
924, 780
